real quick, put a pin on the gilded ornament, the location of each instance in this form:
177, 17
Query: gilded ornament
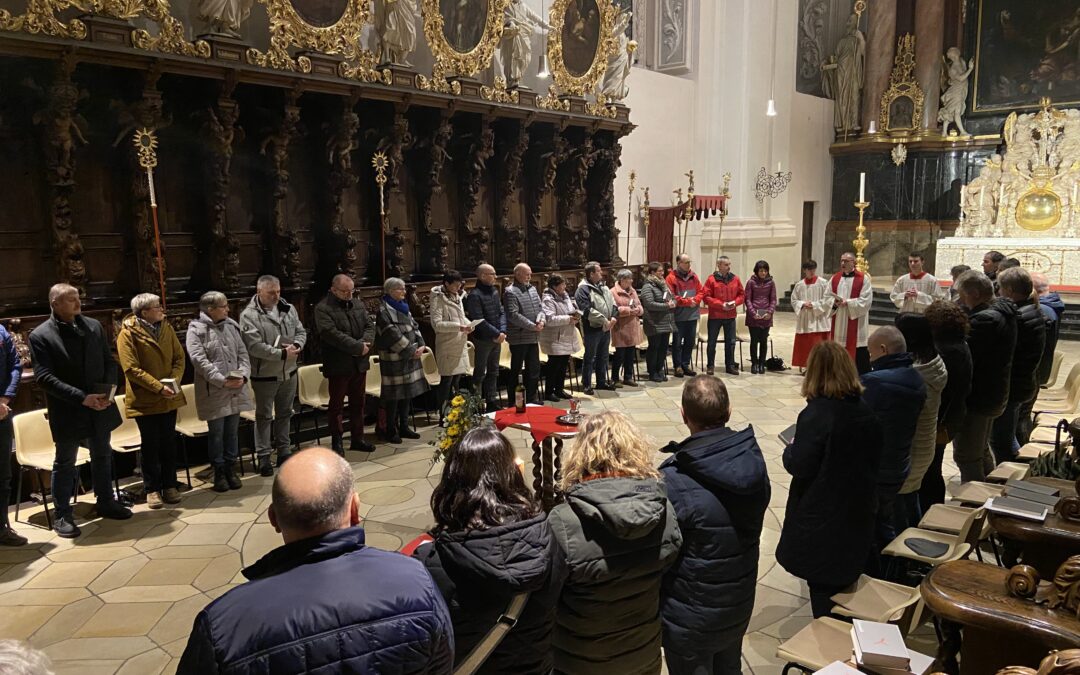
601, 108
498, 93
552, 101
450, 61
146, 146
289, 29
902, 103
1039, 208
40, 17
579, 26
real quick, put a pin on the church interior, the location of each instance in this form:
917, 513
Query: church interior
203, 152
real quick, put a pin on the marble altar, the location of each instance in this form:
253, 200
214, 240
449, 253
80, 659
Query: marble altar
1056, 257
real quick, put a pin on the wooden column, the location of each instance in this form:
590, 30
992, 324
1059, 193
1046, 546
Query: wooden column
929, 46
880, 49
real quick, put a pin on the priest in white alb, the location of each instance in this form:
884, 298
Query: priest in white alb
853, 296
813, 302
913, 292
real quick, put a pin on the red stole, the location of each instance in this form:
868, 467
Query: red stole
852, 337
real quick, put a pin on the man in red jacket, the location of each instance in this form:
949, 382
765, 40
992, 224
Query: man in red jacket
723, 295
687, 289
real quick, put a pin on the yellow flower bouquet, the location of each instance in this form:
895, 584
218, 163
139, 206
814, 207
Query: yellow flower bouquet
465, 412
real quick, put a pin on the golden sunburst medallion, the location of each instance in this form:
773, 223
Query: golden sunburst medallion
146, 145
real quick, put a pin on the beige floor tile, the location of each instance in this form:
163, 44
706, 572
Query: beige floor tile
415, 469
216, 593
382, 496
203, 535
43, 596
21, 554
171, 668
211, 517
759, 650
160, 535
19, 623
65, 622
771, 605
218, 572
19, 574
260, 540
147, 663
779, 579
118, 574
180, 571
168, 593
89, 667
236, 542
176, 647
238, 501
119, 533
123, 619
68, 575
83, 649
178, 620
171, 552
92, 553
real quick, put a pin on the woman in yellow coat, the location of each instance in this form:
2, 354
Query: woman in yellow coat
153, 364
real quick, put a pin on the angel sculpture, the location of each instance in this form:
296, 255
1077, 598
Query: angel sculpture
618, 69
956, 72
519, 26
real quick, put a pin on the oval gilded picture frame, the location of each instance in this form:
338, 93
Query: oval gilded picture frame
449, 59
289, 28
574, 73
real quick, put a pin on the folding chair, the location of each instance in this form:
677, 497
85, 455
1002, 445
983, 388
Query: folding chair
313, 390
958, 546
124, 438
188, 425
35, 450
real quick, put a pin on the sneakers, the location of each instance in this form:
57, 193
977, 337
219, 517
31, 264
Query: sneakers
409, 433
265, 467
231, 478
170, 496
732, 370
679, 372
153, 500
630, 383
221, 482
9, 537
113, 510
65, 527
360, 445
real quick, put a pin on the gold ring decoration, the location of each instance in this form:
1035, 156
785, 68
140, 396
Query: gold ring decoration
146, 146
462, 41
581, 39
329, 27
1022, 582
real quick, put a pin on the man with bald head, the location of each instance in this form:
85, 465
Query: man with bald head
346, 332
895, 391
483, 302
323, 601
524, 321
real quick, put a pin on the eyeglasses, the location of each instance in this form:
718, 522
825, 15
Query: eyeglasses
219, 306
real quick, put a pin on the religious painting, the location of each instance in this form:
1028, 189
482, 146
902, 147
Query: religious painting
580, 35
1026, 50
320, 13
463, 23
901, 112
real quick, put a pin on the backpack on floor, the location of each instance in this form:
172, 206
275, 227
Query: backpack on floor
776, 364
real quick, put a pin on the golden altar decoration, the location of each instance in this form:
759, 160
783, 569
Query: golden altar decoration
902, 103
462, 60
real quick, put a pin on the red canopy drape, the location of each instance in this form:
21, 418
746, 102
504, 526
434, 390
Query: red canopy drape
662, 223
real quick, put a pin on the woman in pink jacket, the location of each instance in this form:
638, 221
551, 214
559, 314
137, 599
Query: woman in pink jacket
627, 333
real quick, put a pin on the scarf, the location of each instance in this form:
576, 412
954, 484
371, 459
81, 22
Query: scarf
852, 337
726, 278
152, 328
399, 305
811, 281
682, 275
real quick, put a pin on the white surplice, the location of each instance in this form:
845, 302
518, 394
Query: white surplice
818, 296
856, 308
928, 291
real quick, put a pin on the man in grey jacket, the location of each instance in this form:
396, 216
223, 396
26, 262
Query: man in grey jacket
524, 321
597, 305
274, 337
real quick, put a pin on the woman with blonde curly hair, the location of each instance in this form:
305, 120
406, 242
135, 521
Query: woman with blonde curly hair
618, 533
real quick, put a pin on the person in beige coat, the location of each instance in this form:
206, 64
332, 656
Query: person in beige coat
559, 339
627, 333
452, 330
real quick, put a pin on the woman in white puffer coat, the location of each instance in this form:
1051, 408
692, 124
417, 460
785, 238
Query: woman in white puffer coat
451, 335
560, 338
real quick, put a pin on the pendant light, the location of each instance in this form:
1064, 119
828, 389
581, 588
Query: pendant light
770, 110
543, 73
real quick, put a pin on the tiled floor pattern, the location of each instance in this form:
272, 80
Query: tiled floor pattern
122, 598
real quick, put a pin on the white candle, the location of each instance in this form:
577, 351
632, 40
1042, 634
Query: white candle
862, 187
778, 167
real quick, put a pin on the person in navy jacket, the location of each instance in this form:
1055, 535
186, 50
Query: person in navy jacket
324, 602
10, 374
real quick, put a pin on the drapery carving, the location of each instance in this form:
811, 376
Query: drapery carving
604, 237
341, 246
471, 165
282, 239
543, 160
511, 146
61, 135
221, 129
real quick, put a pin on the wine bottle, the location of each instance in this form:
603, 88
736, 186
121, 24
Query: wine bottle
519, 397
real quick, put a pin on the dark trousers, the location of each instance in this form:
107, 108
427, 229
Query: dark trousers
486, 372
1024, 422
682, 343
970, 449
355, 388
596, 357
448, 384
906, 512
759, 344
729, 341
723, 658
884, 530
555, 377
65, 473
932, 490
656, 355
222, 442
158, 433
821, 603
1003, 441
7, 434
624, 359
525, 357
862, 360
397, 415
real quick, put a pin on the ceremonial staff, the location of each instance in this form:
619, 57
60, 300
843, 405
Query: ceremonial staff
146, 146
725, 192
629, 211
380, 163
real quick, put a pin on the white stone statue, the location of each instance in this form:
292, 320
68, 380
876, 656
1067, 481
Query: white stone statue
842, 77
519, 25
954, 100
223, 17
618, 68
395, 24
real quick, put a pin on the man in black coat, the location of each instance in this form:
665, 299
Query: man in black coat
992, 341
1016, 286
484, 302
895, 391
74, 366
347, 333
717, 481
323, 602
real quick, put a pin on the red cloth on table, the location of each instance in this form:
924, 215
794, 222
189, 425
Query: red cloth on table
541, 421
416, 543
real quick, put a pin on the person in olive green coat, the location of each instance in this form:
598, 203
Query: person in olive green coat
149, 353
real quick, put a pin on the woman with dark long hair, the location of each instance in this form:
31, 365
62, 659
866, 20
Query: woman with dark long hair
492, 541
760, 307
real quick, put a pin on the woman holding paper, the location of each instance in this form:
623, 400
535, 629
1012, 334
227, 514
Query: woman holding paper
452, 330
559, 339
153, 364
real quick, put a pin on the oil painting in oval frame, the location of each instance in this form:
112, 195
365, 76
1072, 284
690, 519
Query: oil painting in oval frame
463, 34
579, 43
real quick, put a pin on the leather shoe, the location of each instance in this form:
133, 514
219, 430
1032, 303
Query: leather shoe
689, 373
170, 496
9, 537
589, 391
732, 370
709, 370
629, 383
112, 510
606, 387
678, 372
361, 446
409, 433
265, 467
562, 393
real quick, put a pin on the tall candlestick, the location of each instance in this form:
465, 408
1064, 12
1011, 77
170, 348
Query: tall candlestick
862, 187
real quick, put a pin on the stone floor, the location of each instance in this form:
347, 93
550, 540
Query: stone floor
122, 598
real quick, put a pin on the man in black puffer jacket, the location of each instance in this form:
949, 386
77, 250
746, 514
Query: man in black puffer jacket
992, 341
1016, 285
717, 482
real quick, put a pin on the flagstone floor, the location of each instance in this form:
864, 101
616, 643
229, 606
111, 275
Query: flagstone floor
122, 598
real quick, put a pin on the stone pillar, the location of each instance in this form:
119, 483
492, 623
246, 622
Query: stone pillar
929, 46
880, 49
